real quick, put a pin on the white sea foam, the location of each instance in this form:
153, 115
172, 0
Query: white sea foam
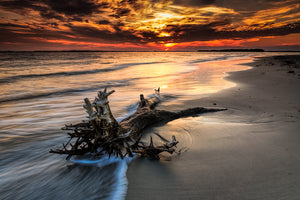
120, 186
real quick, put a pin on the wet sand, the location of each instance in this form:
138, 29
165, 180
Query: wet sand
250, 151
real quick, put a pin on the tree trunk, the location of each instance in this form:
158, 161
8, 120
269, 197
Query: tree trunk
102, 134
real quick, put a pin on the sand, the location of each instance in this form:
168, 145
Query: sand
250, 151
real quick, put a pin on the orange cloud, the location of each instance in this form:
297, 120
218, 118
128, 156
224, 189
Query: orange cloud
93, 45
291, 39
148, 25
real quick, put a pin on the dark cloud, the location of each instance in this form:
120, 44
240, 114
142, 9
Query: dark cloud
115, 16
30, 34
54, 24
237, 5
193, 32
278, 31
121, 12
118, 25
76, 18
129, 1
180, 33
93, 34
12, 25
194, 2
103, 22
188, 33
20, 4
151, 36
133, 4
51, 15
56, 9
75, 7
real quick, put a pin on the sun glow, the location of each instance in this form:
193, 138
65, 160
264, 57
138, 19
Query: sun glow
170, 44
167, 46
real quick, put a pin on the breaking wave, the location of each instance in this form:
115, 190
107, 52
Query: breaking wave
119, 187
73, 73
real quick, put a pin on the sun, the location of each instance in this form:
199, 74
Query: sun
167, 46
170, 44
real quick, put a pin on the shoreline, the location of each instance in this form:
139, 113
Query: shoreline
256, 84
250, 151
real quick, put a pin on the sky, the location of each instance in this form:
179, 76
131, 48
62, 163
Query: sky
149, 25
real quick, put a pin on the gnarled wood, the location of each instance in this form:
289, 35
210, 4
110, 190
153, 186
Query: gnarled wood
103, 134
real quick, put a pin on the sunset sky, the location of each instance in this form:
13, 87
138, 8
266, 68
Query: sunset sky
145, 25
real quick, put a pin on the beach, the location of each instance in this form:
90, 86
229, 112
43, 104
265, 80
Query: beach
250, 151
150, 100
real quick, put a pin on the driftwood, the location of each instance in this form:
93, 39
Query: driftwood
102, 134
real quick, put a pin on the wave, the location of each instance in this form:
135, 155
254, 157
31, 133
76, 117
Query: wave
67, 91
60, 57
214, 59
39, 64
73, 73
119, 187
120, 83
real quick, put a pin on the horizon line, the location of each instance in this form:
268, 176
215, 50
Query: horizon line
213, 50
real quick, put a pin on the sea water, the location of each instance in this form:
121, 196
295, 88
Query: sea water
42, 91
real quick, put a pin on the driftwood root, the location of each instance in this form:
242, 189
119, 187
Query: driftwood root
102, 134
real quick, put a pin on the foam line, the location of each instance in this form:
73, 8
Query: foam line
119, 190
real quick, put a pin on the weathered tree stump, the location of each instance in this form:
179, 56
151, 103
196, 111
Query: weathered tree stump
102, 134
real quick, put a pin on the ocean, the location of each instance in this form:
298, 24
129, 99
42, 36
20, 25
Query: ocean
42, 91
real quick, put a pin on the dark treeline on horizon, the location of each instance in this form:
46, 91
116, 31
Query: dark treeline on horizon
233, 50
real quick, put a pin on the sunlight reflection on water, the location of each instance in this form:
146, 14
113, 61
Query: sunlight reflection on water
50, 88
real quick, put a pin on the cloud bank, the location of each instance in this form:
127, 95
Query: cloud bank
146, 25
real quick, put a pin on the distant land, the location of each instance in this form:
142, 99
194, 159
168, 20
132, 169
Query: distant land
215, 50
233, 50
